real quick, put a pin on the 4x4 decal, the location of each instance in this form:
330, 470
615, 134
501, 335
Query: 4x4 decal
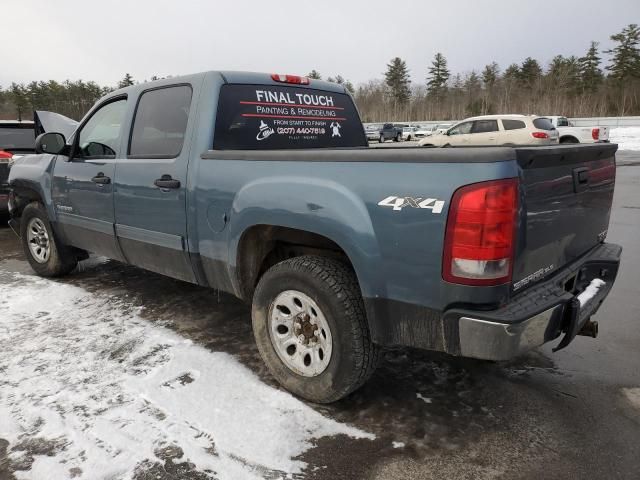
398, 203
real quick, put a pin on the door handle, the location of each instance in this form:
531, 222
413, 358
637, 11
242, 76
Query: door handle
101, 179
167, 182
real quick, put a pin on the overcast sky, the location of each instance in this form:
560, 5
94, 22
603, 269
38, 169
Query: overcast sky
101, 40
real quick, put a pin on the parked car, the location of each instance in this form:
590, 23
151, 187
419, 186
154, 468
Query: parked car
16, 138
571, 134
340, 249
389, 131
496, 130
409, 133
439, 128
372, 132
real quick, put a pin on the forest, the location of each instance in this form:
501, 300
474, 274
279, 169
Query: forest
596, 82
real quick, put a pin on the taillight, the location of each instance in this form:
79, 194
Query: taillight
480, 235
290, 79
595, 133
540, 135
5, 156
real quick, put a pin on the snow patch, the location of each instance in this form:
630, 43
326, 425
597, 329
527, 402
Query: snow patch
397, 444
633, 395
424, 399
110, 389
627, 138
590, 291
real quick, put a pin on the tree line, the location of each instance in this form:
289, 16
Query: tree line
572, 86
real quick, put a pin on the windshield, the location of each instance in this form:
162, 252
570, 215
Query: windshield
17, 138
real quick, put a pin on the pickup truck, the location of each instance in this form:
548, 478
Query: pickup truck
389, 131
570, 134
263, 186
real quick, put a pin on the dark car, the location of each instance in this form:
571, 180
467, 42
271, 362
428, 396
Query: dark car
389, 131
16, 138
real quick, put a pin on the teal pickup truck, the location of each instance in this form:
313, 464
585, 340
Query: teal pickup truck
263, 186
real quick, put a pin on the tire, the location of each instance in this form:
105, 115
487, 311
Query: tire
397, 139
569, 140
381, 139
332, 287
409, 138
55, 259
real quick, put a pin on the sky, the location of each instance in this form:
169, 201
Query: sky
102, 40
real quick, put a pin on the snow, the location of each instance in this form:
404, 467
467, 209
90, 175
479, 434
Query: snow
397, 444
108, 389
423, 398
627, 138
590, 291
633, 395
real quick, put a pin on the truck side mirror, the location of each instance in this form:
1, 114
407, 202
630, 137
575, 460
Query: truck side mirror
51, 142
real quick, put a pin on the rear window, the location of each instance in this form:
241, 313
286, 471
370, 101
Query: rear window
513, 124
563, 122
543, 124
270, 117
14, 138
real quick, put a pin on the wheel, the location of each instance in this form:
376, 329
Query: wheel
46, 254
311, 329
398, 137
381, 139
569, 140
409, 138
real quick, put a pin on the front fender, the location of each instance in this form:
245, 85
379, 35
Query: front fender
315, 205
34, 173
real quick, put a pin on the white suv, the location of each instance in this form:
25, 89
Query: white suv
496, 130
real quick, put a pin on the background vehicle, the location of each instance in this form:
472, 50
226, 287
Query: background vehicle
16, 137
340, 248
409, 133
389, 131
438, 129
372, 132
496, 130
570, 134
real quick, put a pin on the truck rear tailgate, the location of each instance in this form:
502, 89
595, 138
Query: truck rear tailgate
566, 194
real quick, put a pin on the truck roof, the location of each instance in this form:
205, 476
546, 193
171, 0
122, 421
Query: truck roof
236, 77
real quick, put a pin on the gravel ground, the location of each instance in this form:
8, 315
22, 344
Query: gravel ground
573, 414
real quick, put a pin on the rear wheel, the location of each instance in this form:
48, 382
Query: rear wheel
311, 329
569, 140
398, 137
45, 253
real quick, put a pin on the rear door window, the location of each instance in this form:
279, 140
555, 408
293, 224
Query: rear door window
484, 126
161, 122
268, 117
543, 124
513, 124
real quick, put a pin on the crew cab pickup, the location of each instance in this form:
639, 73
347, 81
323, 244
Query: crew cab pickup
571, 134
263, 186
389, 131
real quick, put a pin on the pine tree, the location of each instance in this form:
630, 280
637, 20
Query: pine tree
530, 72
490, 75
397, 79
590, 73
438, 76
314, 75
625, 61
127, 81
512, 72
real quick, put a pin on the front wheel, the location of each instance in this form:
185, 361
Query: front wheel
45, 253
311, 329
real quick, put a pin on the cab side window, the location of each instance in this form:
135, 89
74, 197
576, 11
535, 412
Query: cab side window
461, 129
485, 126
100, 136
160, 122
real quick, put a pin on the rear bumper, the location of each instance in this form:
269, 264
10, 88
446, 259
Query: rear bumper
540, 314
